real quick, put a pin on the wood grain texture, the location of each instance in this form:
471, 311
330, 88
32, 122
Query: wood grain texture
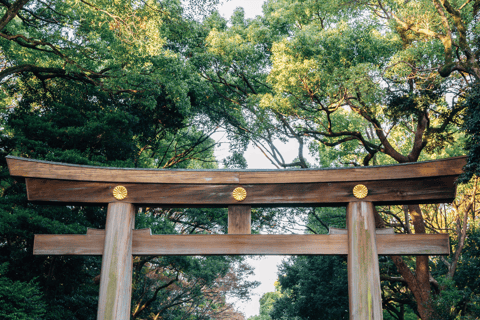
146, 244
21, 167
377, 231
27, 168
117, 263
426, 190
90, 244
365, 297
239, 219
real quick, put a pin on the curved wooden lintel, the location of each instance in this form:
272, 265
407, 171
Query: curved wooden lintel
27, 168
426, 182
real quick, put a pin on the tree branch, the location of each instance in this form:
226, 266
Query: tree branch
154, 297
12, 11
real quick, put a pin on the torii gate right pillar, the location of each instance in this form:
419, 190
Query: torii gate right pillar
364, 291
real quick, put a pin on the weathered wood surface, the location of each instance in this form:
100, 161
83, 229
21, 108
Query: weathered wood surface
22, 167
117, 263
377, 231
239, 219
146, 244
426, 190
364, 293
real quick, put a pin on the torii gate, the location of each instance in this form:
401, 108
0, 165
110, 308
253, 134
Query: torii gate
359, 189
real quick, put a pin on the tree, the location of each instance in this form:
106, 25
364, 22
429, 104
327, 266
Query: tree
102, 135
105, 83
354, 79
313, 285
84, 124
187, 287
19, 300
266, 303
309, 286
472, 127
55, 287
118, 46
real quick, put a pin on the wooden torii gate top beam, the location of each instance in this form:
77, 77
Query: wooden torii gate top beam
422, 182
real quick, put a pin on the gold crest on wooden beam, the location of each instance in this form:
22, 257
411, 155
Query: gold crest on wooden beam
239, 194
360, 191
120, 192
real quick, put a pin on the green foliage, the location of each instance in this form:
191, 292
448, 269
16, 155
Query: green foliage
146, 110
472, 127
118, 46
398, 301
60, 294
235, 161
266, 303
69, 124
19, 300
466, 280
445, 303
61, 286
409, 315
339, 74
313, 285
85, 125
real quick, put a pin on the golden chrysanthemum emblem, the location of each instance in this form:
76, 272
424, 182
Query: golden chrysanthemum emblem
120, 192
239, 194
360, 191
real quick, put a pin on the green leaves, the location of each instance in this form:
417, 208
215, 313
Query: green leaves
310, 286
472, 126
19, 300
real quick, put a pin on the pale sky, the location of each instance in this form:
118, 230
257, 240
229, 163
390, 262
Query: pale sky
252, 8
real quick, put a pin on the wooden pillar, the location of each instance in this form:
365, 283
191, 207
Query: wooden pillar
365, 298
239, 219
117, 263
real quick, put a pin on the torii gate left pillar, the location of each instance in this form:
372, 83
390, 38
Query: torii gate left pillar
429, 182
117, 263
364, 292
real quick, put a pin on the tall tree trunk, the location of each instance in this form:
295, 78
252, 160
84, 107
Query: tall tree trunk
418, 282
422, 271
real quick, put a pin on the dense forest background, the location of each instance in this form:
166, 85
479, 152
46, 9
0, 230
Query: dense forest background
146, 83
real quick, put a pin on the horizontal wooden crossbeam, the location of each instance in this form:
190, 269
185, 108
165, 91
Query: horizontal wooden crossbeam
146, 244
427, 182
386, 192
